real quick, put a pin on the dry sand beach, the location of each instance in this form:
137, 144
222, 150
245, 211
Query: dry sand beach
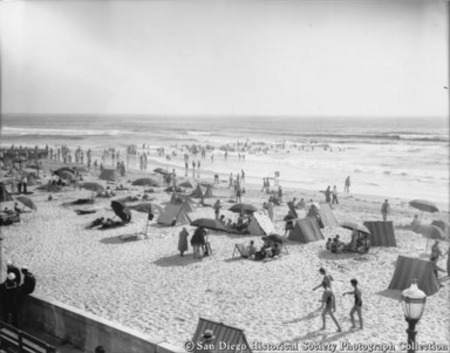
147, 286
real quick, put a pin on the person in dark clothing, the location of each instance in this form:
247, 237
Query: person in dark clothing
198, 241
10, 268
289, 219
11, 301
357, 305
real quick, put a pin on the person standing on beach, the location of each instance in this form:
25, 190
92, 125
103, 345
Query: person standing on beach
328, 307
328, 195
217, 206
385, 210
182, 241
335, 196
357, 305
347, 185
289, 219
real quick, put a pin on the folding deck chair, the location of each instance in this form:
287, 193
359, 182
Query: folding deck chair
240, 248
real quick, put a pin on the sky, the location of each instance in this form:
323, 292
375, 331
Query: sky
318, 58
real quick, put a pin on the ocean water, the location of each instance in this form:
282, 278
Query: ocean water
407, 158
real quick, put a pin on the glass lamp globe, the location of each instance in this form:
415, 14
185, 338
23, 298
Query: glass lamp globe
413, 302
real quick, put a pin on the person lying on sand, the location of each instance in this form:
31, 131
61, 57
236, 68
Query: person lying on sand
364, 244
96, 222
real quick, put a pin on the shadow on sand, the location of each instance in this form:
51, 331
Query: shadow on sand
390, 293
327, 255
310, 316
176, 260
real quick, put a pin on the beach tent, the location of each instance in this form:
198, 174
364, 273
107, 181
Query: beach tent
381, 233
324, 215
306, 230
31, 179
260, 224
174, 215
408, 268
177, 199
228, 339
108, 174
202, 191
4, 194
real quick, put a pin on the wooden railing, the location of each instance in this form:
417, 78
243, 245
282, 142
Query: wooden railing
14, 340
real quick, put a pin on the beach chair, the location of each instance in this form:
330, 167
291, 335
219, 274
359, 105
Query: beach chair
240, 248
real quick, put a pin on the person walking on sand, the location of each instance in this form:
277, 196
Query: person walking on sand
182, 241
335, 196
328, 307
385, 210
357, 305
325, 280
347, 185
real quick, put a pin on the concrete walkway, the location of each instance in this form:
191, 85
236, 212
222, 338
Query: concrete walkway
61, 347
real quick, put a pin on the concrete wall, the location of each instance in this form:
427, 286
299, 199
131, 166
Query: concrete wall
87, 331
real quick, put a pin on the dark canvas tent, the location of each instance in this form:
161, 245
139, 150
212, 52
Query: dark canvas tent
228, 339
4, 194
108, 174
381, 233
324, 215
202, 191
174, 215
306, 230
408, 268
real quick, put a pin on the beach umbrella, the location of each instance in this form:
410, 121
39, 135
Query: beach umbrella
122, 211
147, 207
187, 184
355, 226
424, 206
443, 225
65, 169
209, 223
161, 171
27, 202
429, 231
243, 207
145, 182
92, 186
65, 174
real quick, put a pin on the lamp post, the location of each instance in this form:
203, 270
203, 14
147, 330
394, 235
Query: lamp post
413, 303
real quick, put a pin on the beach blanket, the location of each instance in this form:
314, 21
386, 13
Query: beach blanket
83, 212
82, 202
115, 224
